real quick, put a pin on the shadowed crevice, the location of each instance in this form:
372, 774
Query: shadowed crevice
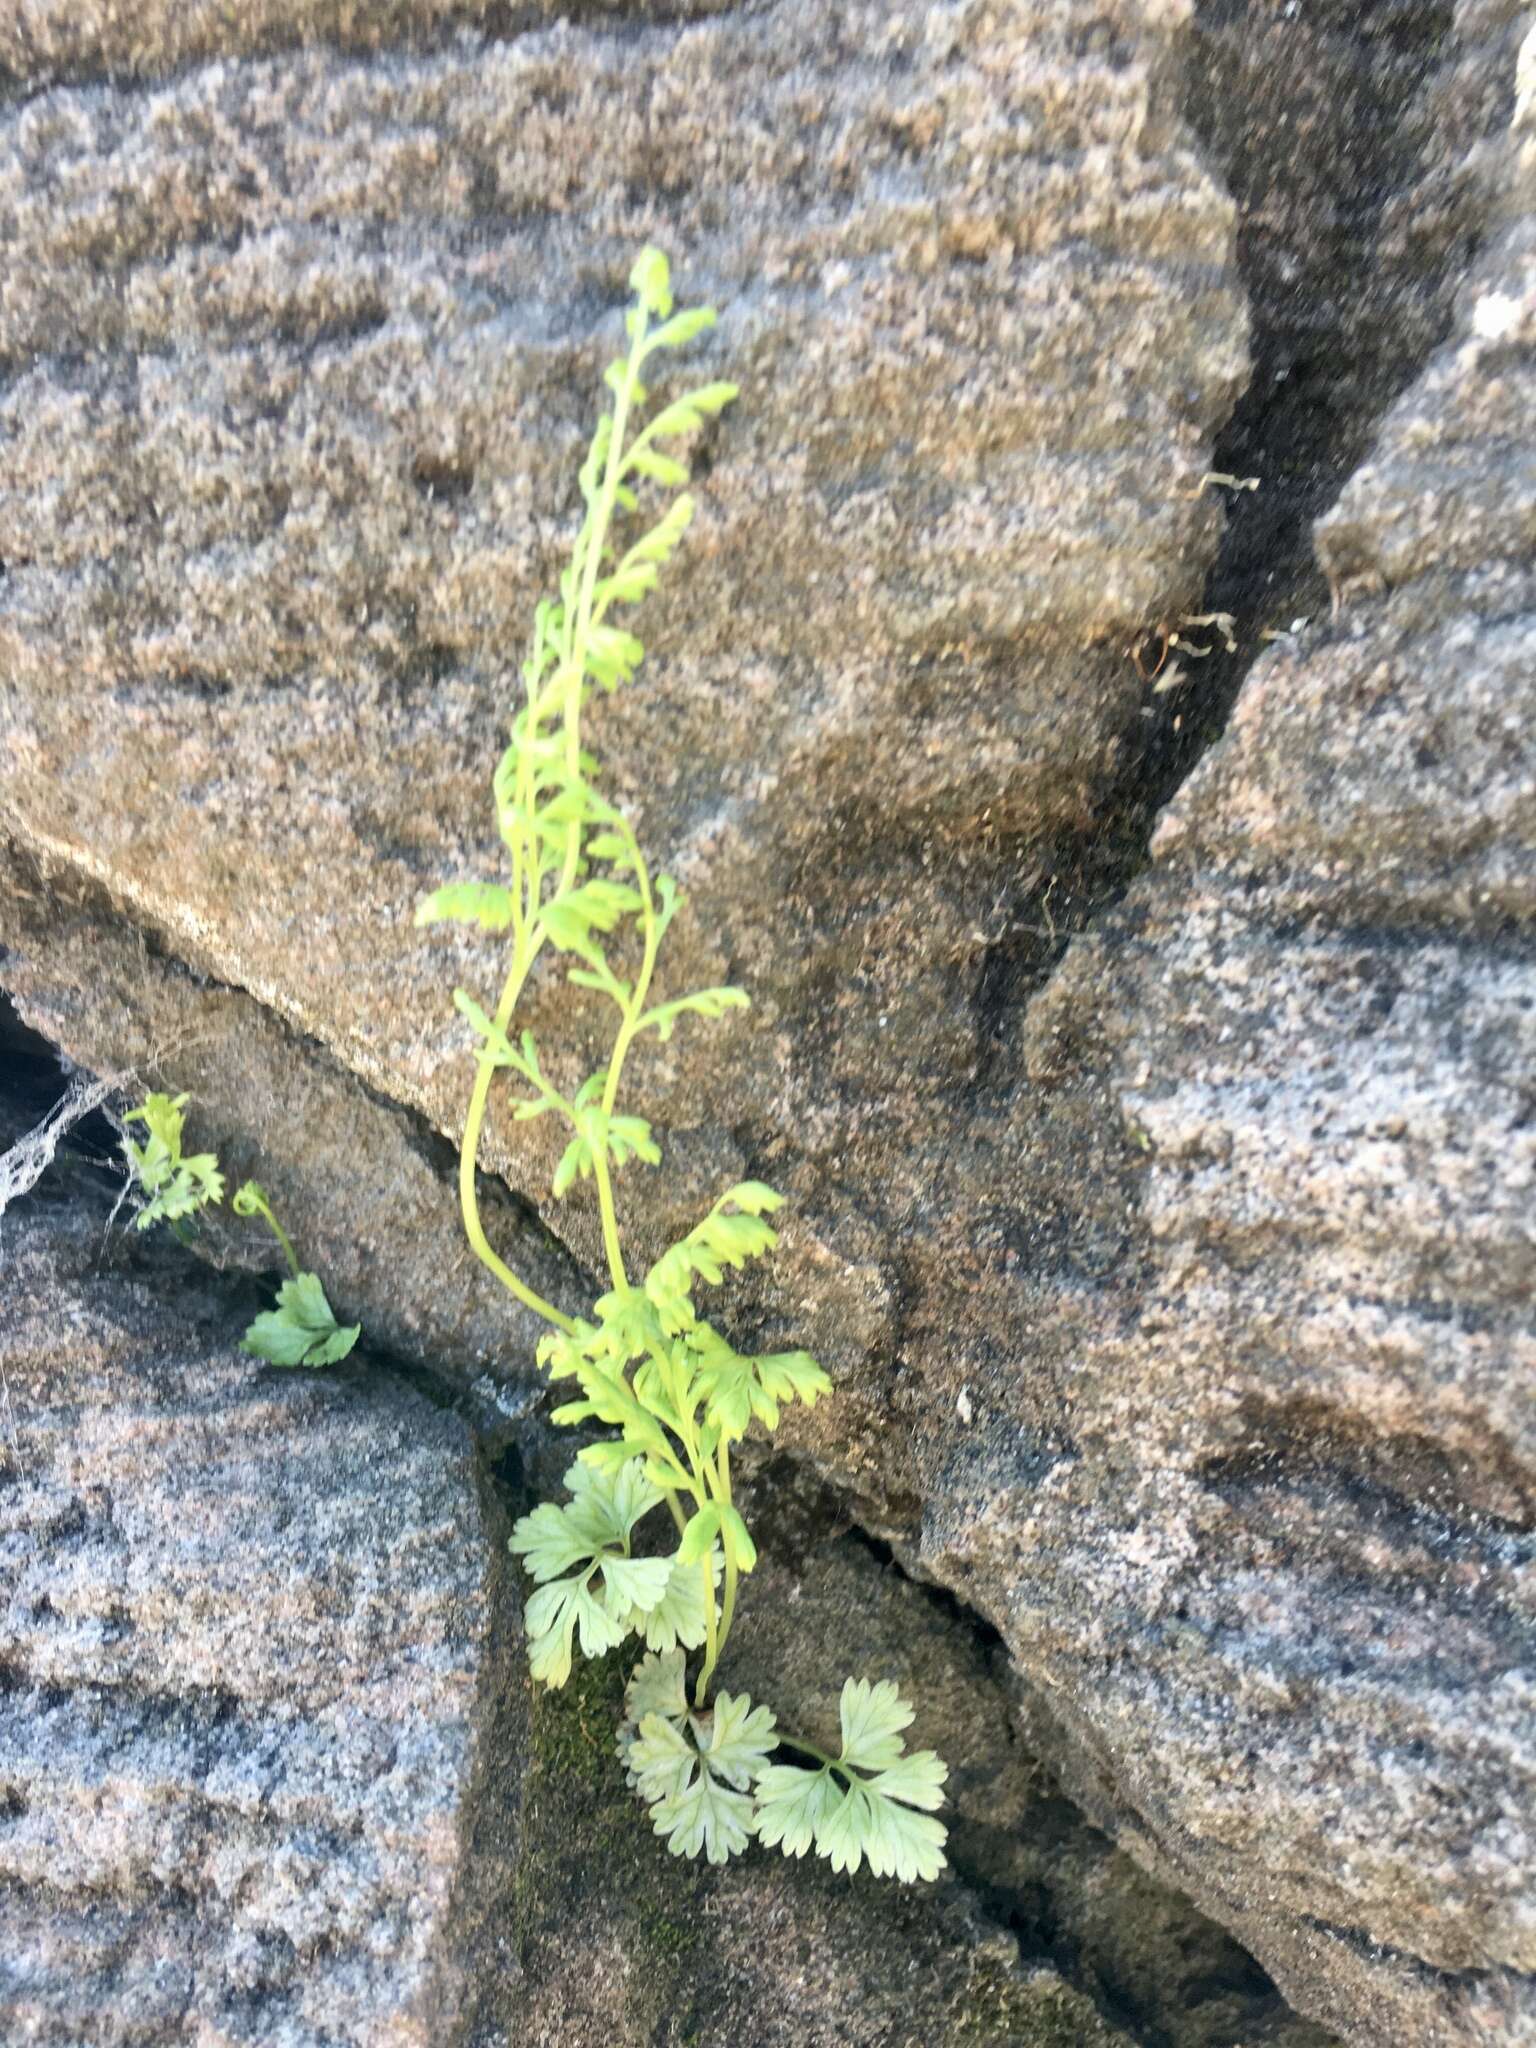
1357, 221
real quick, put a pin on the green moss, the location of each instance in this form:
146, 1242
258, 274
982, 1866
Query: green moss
573, 1730
1004, 2009
666, 1937
577, 1811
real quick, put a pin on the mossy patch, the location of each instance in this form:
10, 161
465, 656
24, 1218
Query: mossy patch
579, 1818
1003, 2009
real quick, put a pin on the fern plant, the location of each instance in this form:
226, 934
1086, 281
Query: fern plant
646, 1362
174, 1184
174, 1187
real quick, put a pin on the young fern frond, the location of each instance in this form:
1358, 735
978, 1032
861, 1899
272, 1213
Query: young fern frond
302, 1329
646, 1365
175, 1184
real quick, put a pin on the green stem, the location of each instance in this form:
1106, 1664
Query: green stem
609, 1215
469, 1154
636, 1007
829, 1763
711, 1646
728, 1544
280, 1234
581, 626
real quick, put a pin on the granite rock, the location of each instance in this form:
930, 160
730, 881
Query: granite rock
299, 358
1178, 1299
246, 1622
1252, 1483
271, 1769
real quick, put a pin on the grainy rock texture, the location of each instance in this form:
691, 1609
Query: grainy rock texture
823, 1607
245, 1622
268, 1774
1274, 1557
301, 358
1180, 1309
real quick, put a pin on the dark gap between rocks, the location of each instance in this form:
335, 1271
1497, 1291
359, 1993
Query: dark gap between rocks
1352, 237
33, 1078
1203, 1987
435, 1151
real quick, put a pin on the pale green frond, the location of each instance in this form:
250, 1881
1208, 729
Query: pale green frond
611, 846
650, 279
884, 1818
681, 328
629, 1137
792, 1805
706, 1815
669, 901
575, 1160
177, 1184
622, 1137
555, 1614
737, 1388
742, 1738
593, 906
658, 545
734, 1531
633, 1586
845, 1828
730, 1234
612, 655
611, 1504
627, 585
704, 1002
872, 1717
678, 1619
548, 1542
583, 1538
894, 1840
161, 1116
658, 468
302, 1329
917, 1779
662, 1759
657, 1686
702, 1529
483, 903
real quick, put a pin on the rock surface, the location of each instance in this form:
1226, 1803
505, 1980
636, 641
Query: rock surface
245, 1621
300, 357
1259, 1509
1180, 1310
611, 1939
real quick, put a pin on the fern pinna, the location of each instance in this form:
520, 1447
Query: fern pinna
645, 1362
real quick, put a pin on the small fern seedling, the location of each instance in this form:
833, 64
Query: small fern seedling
645, 1362
302, 1329
174, 1184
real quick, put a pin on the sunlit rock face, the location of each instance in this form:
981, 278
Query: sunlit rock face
1177, 1290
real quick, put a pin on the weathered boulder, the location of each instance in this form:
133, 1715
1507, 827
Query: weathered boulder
1251, 1486
300, 357
246, 1627
1179, 1311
